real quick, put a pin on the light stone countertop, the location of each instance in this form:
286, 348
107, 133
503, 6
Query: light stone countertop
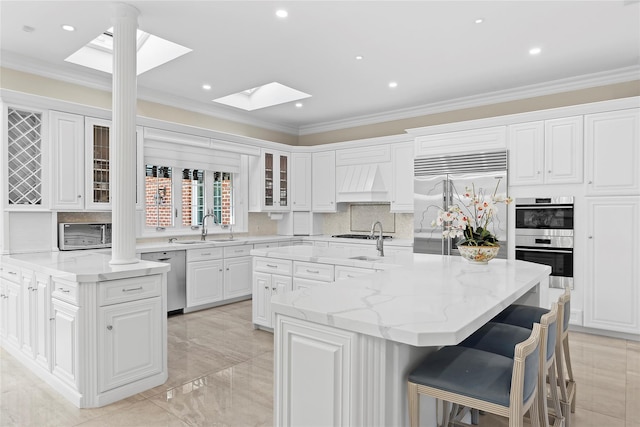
82, 266
419, 299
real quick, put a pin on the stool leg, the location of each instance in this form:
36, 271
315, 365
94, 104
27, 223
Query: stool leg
534, 414
567, 358
555, 398
414, 404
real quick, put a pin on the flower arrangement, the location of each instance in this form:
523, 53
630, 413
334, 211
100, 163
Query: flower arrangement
471, 218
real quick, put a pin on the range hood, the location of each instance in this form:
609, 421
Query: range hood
361, 183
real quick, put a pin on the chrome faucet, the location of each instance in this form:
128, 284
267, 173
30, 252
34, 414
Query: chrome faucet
379, 243
204, 225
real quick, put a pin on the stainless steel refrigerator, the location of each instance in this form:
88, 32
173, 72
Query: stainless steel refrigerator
440, 182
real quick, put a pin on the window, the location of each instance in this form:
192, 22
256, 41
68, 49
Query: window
197, 193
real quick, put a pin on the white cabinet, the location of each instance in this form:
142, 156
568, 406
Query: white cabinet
402, 177
270, 277
10, 306
204, 276
460, 142
237, 277
346, 272
65, 345
26, 172
269, 182
36, 299
301, 181
323, 181
546, 152
67, 143
612, 293
129, 342
97, 164
613, 153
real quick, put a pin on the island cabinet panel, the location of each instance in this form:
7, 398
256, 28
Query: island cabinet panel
264, 287
130, 342
317, 366
65, 354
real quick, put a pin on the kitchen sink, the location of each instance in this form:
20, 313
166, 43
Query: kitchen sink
365, 258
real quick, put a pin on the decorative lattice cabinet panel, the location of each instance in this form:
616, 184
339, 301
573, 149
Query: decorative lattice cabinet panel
24, 157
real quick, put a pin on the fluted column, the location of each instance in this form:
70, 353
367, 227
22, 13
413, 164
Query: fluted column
123, 136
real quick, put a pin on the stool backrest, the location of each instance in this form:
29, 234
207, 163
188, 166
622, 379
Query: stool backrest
564, 311
549, 331
526, 362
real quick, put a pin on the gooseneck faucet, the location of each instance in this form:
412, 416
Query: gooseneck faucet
204, 225
379, 243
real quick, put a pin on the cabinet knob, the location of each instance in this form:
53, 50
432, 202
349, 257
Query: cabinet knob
266, 288
274, 289
538, 173
590, 237
109, 327
227, 268
549, 171
590, 182
79, 196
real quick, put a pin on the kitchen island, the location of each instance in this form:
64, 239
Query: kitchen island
343, 351
95, 332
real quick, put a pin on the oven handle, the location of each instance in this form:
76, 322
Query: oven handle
544, 207
559, 251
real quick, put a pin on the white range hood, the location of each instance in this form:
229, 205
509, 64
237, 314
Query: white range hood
363, 183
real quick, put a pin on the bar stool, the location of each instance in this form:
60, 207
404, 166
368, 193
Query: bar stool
500, 338
479, 379
525, 316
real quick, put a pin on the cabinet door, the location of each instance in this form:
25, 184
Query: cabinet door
237, 277
276, 181
129, 342
526, 153
323, 181
402, 177
261, 299
11, 310
613, 153
67, 141
41, 320
563, 150
612, 297
98, 163
28, 313
204, 282
301, 181
306, 284
65, 355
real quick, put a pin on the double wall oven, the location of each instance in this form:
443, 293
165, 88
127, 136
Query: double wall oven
544, 235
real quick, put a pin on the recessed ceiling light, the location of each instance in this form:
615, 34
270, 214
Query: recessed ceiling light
393, 84
68, 27
298, 104
206, 87
479, 21
534, 51
359, 57
281, 13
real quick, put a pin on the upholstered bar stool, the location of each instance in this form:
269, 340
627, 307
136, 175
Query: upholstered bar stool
479, 379
525, 316
500, 338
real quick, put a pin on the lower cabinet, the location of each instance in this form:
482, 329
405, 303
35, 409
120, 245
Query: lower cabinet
612, 294
204, 282
10, 307
65, 346
270, 277
129, 342
237, 277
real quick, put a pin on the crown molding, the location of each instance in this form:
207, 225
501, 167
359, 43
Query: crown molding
548, 88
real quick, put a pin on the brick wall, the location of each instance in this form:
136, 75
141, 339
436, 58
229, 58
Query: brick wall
158, 216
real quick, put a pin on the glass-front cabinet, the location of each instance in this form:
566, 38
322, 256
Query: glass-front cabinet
276, 181
98, 142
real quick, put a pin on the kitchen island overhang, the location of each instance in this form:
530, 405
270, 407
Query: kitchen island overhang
343, 351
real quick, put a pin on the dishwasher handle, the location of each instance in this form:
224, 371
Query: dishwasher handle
163, 259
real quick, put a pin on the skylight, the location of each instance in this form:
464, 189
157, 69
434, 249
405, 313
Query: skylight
262, 96
153, 51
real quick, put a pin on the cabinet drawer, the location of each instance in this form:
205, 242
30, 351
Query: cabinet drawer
135, 288
265, 245
314, 271
203, 254
344, 272
271, 265
235, 251
65, 291
10, 273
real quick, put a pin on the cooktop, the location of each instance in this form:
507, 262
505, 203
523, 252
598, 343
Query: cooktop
360, 236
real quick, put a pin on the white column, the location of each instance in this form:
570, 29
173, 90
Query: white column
123, 140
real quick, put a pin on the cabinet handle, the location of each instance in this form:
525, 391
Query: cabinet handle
266, 287
590, 237
350, 276
205, 254
590, 182
313, 271
52, 318
66, 291
227, 268
139, 288
220, 270
13, 273
109, 327
274, 289
30, 288
239, 250
272, 266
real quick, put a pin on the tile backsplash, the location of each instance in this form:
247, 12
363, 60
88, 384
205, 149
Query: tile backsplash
357, 218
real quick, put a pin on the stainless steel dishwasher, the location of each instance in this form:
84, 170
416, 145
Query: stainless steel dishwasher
176, 278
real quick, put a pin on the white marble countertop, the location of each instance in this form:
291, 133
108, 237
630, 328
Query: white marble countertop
337, 256
426, 300
82, 266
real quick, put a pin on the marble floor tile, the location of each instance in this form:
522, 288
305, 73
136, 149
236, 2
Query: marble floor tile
221, 374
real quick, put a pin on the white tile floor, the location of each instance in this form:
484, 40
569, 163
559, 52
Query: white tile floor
221, 374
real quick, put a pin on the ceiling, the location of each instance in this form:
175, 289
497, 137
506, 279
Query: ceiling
434, 50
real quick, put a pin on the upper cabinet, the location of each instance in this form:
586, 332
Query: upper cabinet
460, 142
81, 162
546, 152
323, 181
269, 182
26, 158
300, 181
402, 177
613, 153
